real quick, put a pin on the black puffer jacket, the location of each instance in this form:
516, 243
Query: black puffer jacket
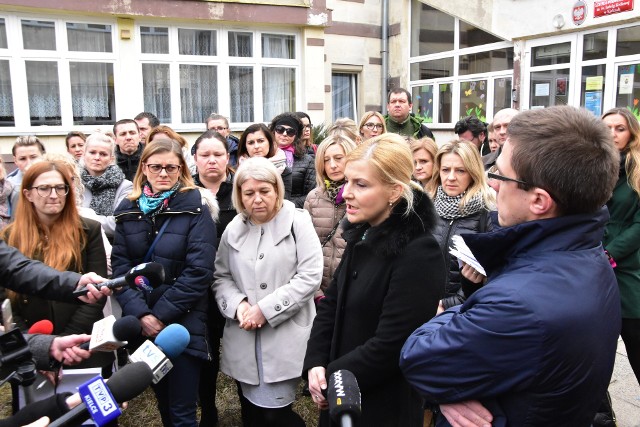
303, 179
458, 288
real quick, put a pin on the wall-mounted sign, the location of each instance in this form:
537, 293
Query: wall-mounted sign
607, 7
579, 13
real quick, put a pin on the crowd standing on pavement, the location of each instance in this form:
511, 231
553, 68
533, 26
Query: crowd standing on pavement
288, 259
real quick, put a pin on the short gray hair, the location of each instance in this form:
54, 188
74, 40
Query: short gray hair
260, 169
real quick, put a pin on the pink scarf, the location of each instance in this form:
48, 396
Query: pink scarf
288, 151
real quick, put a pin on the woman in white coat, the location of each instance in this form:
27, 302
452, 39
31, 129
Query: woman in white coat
104, 183
268, 267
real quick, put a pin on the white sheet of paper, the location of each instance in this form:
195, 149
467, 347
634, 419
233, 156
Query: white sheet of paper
461, 251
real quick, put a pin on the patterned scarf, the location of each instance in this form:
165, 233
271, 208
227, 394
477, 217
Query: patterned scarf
448, 207
6, 188
334, 190
153, 204
103, 188
289, 150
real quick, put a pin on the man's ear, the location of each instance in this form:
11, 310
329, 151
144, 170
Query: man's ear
541, 204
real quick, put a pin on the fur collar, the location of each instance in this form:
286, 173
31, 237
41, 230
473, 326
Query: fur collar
394, 234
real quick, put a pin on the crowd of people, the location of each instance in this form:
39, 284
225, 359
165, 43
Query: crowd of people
289, 259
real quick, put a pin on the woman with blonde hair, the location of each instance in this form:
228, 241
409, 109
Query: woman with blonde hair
326, 204
47, 227
268, 267
371, 125
463, 200
388, 283
346, 128
424, 153
622, 233
163, 131
165, 219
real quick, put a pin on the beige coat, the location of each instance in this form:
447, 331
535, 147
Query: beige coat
325, 214
280, 271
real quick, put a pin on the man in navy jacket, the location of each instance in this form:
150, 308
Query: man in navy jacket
536, 345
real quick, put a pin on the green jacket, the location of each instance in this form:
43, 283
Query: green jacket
413, 126
622, 240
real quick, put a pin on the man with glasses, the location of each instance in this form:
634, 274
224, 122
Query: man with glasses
221, 125
129, 149
401, 120
536, 344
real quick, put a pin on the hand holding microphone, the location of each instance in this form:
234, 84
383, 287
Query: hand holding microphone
144, 276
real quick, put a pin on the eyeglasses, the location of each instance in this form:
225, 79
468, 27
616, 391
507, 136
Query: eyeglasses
309, 126
218, 129
170, 169
504, 178
372, 126
46, 190
285, 131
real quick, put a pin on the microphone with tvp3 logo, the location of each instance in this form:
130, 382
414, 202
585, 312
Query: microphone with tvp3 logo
343, 395
145, 276
100, 401
169, 344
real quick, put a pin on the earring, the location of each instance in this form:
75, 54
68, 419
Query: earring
390, 203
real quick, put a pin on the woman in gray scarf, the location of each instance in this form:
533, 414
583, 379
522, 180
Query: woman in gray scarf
104, 182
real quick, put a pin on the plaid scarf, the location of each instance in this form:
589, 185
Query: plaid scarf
448, 207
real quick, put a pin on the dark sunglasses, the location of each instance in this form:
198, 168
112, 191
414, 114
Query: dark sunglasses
286, 131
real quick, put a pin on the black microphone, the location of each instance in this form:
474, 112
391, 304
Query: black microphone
343, 395
109, 334
124, 384
53, 407
145, 276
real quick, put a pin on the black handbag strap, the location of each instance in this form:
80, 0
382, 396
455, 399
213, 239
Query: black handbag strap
147, 257
333, 231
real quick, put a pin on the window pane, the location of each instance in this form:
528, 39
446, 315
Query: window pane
628, 42
343, 91
154, 39
594, 46
423, 102
43, 92
156, 91
484, 62
471, 36
473, 99
197, 42
432, 31
446, 104
278, 91
628, 91
432, 69
198, 92
551, 54
92, 93
549, 88
6, 99
592, 88
89, 37
240, 44
241, 93
3, 34
501, 94
38, 35
278, 46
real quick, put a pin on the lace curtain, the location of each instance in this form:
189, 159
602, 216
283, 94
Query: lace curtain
92, 94
154, 39
198, 92
6, 99
156, 91
197, 42
89, 37
241, 93
278, 91
343, 95
43, 92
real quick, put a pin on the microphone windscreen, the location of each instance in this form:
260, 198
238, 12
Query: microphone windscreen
127, 328
129, 381
44, 327
343, 395
53, 407
150, 274
173, 340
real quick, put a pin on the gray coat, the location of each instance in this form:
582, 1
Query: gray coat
108, 222
277, 265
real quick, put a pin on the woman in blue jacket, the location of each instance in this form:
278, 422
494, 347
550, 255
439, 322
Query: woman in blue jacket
164, 220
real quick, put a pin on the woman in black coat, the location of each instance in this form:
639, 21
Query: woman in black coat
166, 205
463, 200
388, 283
287, 130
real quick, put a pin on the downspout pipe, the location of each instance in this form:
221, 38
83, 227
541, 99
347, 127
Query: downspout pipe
385, 55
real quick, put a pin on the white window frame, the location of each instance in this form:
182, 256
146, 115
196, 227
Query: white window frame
223, 62
18, 56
